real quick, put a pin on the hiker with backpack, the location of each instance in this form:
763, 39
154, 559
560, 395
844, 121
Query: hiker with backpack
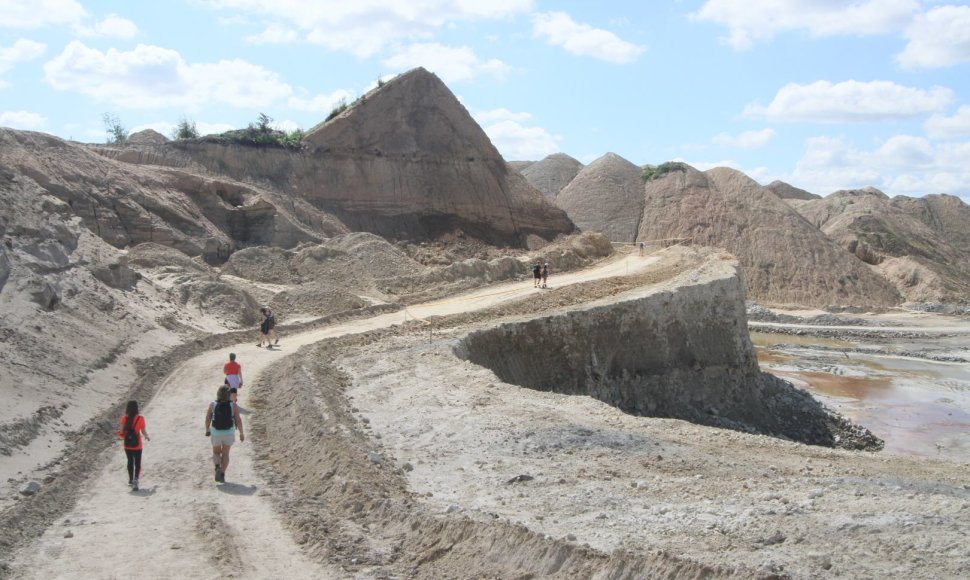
545, 273
222, 420
267, 327
536, 274
132, 430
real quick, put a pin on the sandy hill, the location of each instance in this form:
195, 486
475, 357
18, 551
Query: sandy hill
947, 215
899, 238
786, 259
405, 161
787, 191
551, 174
606, 197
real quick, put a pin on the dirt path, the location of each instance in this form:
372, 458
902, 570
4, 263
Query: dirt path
181, 524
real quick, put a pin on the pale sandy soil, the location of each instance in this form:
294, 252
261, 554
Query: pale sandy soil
186, 525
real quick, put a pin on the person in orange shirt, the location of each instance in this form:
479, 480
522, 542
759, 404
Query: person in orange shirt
233, 372
132, 430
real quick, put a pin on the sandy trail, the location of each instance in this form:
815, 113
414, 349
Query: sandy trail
181, 524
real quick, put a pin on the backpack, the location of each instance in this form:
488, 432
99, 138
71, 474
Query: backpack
131, 434
222, 418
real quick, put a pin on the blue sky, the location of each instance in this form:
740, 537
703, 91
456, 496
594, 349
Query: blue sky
823, 94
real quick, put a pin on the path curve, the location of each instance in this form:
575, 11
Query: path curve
181, 524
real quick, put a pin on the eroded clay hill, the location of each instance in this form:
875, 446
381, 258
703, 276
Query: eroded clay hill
607, 197
788, 191
908, 240
405, 161
551, 174
785, 258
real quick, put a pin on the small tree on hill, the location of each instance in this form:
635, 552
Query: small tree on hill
116, 133
185, 130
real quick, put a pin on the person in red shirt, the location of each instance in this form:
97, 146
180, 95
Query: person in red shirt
233, 372
131, 432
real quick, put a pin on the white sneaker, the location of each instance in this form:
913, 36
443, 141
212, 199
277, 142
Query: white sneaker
134, 484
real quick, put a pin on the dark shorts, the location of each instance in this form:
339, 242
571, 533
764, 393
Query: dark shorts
536, 275
264, 327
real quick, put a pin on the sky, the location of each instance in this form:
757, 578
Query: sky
822, 94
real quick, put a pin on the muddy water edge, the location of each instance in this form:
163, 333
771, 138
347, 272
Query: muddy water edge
894, 387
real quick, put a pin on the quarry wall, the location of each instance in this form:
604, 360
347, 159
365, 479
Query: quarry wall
680, 351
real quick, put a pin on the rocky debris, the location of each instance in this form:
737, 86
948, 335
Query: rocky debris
786, 260
30, 488
19, 433
126, 204
606, 197
916, 256
116, 274
519, 479
566, 254
761, 314
551, 174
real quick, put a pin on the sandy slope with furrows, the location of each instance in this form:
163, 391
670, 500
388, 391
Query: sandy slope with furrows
187, 525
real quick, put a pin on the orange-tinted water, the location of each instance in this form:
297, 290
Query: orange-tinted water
918, 407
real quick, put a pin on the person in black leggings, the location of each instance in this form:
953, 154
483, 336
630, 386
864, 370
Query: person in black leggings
132, 431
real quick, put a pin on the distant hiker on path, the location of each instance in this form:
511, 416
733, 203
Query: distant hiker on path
267, 327
222, 420
132, 430
545, 273
536, 274
641, 248
233, 372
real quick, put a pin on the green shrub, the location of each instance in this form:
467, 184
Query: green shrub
651, 172
339, 108
261, 134
185, 130
116, 133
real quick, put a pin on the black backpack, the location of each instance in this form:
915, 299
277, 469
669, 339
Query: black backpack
222, 418
131, 434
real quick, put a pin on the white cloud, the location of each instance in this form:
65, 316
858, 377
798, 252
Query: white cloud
274, 34
938, 38
851, 101
750, 21
22, 120
559, 29
942, 127
705, 165
320, 103
21, 50
902, 165
113, 26
452, 64
745, 140
151, 76
39, 13
286, 126
514, 140
365, 27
